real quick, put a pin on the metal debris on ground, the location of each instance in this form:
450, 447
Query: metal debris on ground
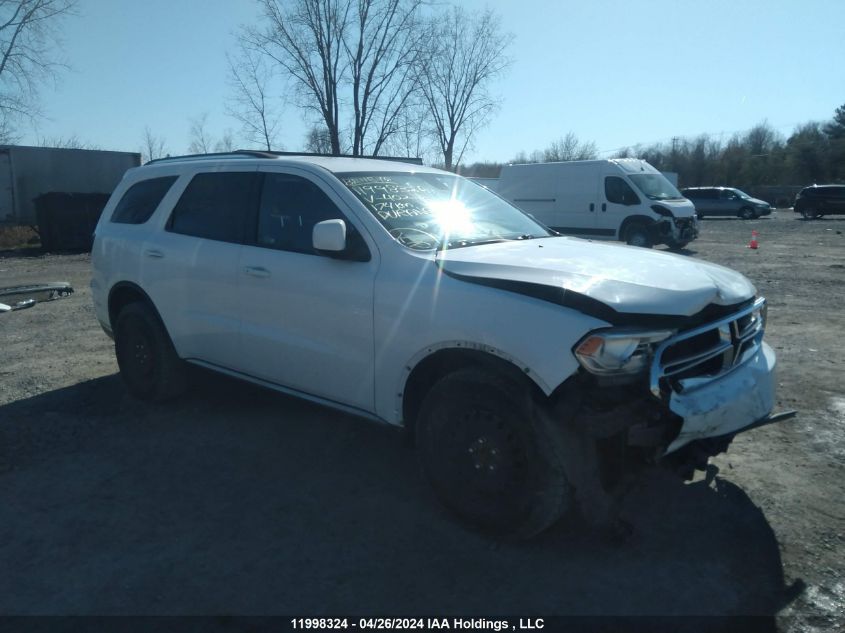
22, 297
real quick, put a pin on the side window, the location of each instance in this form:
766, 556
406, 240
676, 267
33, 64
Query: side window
710, 194
215, 206
727, 194
691, 194
290, 207
141, 200
618, 191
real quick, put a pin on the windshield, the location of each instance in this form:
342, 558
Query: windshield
655, 186
431, 211
742, 194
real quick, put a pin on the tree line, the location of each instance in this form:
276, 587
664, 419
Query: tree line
756, 159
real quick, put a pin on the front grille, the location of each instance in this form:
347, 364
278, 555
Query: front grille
707, 351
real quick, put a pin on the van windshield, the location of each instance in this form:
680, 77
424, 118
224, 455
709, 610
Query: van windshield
655, 186
433, 211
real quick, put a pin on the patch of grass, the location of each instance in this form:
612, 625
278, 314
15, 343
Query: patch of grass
17, 237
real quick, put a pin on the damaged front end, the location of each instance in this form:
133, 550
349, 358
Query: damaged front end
673, 396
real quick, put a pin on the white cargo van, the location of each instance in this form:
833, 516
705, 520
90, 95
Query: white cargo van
619, 199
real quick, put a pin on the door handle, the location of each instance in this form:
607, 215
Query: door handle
604, 206
257, 271
154, 252
592, 207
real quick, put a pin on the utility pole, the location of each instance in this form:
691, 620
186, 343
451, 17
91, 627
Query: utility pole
675, 153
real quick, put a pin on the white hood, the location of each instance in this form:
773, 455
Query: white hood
626, 278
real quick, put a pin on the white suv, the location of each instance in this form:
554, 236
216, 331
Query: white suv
529, 366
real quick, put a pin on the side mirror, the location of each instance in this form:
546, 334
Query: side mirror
329, 236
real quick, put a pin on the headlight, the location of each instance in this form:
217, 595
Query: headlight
761, 313
618, 352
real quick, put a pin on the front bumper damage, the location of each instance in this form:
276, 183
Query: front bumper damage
677, 230
614, 433
728, 404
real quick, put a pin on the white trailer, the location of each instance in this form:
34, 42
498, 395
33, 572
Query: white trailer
28, 172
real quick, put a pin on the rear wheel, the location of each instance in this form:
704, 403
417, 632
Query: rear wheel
148, 362
491, 460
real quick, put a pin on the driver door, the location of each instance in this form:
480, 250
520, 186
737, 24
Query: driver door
307, 318
618, 199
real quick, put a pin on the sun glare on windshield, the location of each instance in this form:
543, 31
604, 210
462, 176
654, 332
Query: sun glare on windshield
452, 216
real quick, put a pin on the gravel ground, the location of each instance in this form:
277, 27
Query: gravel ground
237, 500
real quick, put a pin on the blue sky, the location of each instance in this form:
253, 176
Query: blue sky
613, 72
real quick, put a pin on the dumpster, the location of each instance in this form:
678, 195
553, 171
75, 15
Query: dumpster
66, 221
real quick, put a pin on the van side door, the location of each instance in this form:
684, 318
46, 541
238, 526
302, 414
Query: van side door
307, 317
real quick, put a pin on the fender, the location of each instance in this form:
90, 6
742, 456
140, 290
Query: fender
480, 351
123, 286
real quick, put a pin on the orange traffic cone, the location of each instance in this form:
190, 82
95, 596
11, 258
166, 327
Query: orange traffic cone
753, 243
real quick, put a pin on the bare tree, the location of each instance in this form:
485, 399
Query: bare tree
411, 138
226, 142
152, 146
383, 45
201, 141
252, 103
318, 141
304, 38
469, 50
28, 37
353, 62
570, 148
65, 142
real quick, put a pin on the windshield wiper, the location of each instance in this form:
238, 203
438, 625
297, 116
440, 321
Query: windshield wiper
460, 243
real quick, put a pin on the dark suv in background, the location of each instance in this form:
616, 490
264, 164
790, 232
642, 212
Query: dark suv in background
726, 201
818, 200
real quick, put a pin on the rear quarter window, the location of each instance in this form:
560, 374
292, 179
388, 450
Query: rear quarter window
141, 200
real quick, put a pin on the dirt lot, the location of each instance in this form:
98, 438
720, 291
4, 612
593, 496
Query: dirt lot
239, 500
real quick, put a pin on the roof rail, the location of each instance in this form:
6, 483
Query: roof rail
253, 153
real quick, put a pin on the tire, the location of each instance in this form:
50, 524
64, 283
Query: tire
490, 460
148, 362
810, 214
677, 246
638, 235
747, 213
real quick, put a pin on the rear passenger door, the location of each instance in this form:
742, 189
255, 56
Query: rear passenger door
190, 267
307, 318
707, 202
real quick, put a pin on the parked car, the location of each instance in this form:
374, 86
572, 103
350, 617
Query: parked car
622, 199
726, 201
820, 200
532, 369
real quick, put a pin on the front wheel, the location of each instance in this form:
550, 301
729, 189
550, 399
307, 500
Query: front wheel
678, 246
747, 213
810, 214
148, 363
491, 460
638, 235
